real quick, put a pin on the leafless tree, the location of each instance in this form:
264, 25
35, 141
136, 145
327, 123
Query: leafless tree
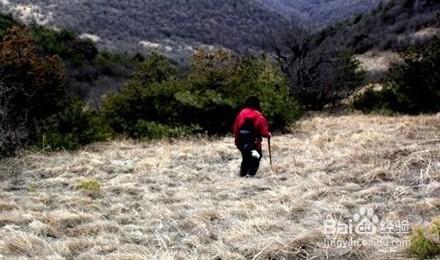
316, 70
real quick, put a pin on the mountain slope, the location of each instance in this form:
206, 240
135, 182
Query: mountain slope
177, 26
173, 24
321, 12
378, 36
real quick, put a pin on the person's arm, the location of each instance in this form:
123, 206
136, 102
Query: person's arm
263, 127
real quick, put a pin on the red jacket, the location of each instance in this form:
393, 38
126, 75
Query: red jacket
259, 121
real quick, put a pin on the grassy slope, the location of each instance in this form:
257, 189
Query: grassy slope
164, 201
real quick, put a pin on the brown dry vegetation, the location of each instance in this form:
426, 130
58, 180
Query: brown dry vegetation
183, 200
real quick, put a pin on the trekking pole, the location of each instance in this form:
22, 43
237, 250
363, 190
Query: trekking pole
270, 153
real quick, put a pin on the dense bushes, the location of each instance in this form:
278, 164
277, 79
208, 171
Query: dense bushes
29, 78
412, 87
146, 97
74, 126
65, 44
90, 73
152, 130
220, 81
158, 101
6, 21
204, 100
32, 87
34, 101
375, 101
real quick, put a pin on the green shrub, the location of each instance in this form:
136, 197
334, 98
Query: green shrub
416, 83
379, 102
153, 130
112, 64
220, 81
34, 83
75, 126
32, 87
205, 99
6, 22
425, 242
412, 87
91, 187
65, 44
148, 96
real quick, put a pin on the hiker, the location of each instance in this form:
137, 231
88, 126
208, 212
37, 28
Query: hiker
249, 128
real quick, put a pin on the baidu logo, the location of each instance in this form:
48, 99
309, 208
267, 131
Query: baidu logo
360, 229
365, 222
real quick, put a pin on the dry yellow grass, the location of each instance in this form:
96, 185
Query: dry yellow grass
184, 200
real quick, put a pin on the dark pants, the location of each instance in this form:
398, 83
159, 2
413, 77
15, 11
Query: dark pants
249, 165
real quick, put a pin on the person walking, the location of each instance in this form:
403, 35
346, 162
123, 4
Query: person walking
249, 128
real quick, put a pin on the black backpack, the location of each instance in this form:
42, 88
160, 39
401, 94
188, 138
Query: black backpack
247, 137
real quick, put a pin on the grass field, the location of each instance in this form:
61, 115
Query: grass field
184, 199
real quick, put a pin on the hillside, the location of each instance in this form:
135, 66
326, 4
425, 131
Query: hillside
378, 36
184, 200
169, 26
377, 39
90, 72
320, 13
176, 27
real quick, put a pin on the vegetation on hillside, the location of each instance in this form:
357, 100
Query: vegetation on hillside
98, 95
392, 25
233, 24
205, 99
89, 73
32, 88
159, 100
320, 13
175, 27
319, 66
120, 199
412, 87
